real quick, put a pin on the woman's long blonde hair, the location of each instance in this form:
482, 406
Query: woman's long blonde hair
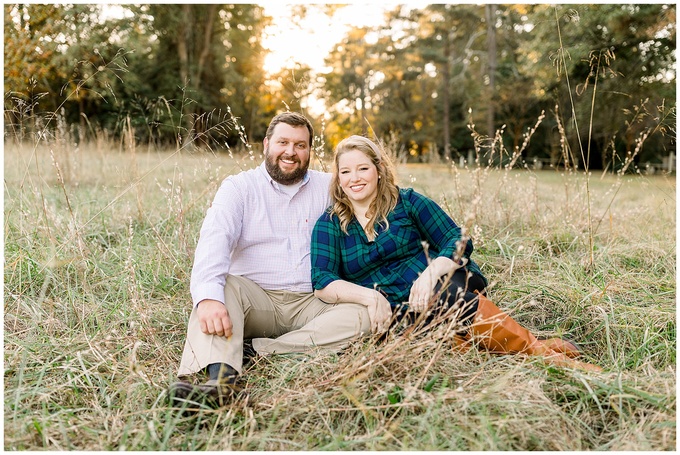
388, 193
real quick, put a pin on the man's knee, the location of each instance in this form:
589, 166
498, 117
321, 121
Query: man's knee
357, 315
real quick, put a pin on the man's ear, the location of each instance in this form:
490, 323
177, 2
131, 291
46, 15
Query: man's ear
265, 141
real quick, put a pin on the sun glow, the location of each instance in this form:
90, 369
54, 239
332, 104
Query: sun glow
309, 41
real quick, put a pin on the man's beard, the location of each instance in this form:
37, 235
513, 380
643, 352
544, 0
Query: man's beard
279, 175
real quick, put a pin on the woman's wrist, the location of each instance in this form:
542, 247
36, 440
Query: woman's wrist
441, 266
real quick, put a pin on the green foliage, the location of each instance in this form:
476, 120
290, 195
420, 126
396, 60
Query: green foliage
600, 76
429, 67
607, 54
166, 70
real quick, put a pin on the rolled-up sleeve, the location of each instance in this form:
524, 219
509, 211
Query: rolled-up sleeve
325, 252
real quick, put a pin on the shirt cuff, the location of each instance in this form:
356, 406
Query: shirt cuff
208, 291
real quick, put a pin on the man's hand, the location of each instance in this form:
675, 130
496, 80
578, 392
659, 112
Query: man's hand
380, 313
214, 318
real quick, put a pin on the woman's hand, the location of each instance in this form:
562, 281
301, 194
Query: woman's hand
423, 288
380, 313
421, 291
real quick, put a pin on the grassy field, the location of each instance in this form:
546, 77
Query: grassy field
98, 252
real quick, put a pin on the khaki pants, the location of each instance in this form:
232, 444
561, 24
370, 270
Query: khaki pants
277, 321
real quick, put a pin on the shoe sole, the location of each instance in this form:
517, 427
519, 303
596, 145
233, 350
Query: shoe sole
183, 393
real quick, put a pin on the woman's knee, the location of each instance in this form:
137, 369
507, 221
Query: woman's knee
463, 303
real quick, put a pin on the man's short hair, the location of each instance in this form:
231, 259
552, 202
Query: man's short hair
292, 119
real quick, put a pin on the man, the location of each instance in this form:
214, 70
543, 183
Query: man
252, 273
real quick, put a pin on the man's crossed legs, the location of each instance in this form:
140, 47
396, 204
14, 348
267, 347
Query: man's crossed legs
278, 322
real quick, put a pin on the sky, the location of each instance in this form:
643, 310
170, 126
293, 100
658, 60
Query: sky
310, 42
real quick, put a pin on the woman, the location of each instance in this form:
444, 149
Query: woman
395, 250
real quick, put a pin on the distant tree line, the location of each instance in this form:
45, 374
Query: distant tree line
563, 84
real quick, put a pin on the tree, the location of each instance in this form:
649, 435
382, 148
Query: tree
290, 88
512, 101
171, 70
405, 94
616, 56
202, 63
244, 88
352, 67
188, 61
448, 38
490, 11
52, 54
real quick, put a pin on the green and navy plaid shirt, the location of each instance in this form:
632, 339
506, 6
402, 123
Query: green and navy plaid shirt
394, 260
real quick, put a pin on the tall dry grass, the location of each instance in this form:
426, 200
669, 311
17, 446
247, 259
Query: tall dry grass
98, 250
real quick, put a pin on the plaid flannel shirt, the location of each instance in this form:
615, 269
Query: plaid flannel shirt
397, 256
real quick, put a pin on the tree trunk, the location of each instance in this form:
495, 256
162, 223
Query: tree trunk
446, 76
202, 58
183, 39
207, 39
194, 55
81, 116
491, 44
183, 44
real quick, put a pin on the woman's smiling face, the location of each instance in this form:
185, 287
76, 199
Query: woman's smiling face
358, 177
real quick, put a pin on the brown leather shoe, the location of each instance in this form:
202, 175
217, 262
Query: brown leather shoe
499, 333
562, 345
212, 393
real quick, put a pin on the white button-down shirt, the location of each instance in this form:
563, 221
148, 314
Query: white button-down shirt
256, 230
